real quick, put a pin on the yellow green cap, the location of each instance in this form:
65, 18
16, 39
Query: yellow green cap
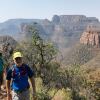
17, 54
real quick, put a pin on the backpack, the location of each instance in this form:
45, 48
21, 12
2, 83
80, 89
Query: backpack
14, 72
19, 77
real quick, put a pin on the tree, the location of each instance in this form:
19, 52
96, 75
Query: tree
37, 52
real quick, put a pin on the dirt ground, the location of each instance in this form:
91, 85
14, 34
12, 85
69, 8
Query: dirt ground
3, 95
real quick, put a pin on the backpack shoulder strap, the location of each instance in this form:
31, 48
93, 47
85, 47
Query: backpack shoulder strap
13, 70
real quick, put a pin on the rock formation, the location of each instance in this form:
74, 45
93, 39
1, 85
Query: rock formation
6, 41
91, 36
66, 28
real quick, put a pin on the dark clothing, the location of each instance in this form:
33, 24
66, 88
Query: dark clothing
1, 70
1, 78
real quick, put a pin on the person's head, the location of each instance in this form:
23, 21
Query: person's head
17, 57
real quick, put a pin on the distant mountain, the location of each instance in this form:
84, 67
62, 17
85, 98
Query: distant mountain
12, 27
64, 30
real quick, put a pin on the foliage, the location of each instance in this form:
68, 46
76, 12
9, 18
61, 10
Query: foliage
93, 90
75, 80
80, 54
45, 50
38, 53
63, 94
7, 50
93, 85
52, 92
39, 84
51, 78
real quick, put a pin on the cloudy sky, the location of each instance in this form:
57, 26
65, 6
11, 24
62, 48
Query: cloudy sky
41, 9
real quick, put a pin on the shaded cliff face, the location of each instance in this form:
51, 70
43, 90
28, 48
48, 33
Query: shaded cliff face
91, 36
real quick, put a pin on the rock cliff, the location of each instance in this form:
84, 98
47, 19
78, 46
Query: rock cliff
6, 40
91, 36
65, 30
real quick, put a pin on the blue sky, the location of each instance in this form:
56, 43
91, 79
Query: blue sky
41, 9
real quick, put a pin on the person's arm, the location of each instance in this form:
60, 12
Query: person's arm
8, 89
8, 86
32, 80
8, 81
31, 75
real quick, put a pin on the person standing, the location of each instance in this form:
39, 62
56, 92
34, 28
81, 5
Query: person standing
18, 76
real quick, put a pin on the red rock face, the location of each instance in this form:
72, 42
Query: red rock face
91, 36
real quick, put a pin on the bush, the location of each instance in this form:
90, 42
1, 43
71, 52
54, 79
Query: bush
63, 94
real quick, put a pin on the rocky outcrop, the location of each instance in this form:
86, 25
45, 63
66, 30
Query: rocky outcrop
6, 40
91, 36
56, 19
64, 19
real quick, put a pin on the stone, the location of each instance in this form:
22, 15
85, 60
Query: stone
91, 36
